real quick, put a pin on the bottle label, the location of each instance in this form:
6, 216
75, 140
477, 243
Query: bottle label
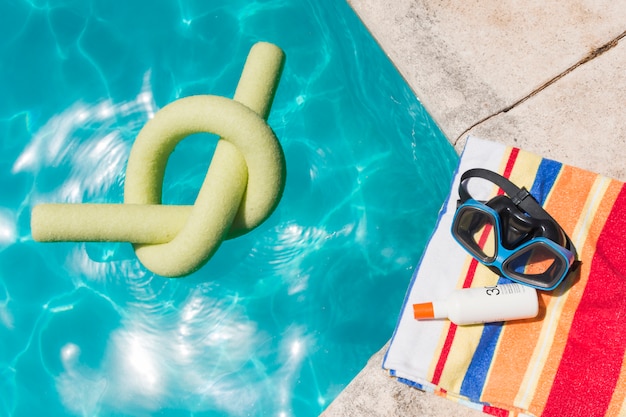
504, 289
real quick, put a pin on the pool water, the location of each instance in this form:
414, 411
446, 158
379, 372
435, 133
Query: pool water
279, 320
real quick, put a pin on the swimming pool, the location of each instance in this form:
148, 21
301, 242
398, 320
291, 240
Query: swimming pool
281, 319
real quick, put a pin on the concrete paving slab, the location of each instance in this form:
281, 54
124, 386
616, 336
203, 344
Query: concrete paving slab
374, 394
547, 77
468, 60
579, 119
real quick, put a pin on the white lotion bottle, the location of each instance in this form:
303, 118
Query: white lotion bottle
482, 305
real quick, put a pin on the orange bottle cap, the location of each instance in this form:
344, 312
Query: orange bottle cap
423, 311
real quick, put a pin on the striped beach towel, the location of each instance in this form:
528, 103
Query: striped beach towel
570, 360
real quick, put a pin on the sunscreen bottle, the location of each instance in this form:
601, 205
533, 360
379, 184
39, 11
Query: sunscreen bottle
482, 305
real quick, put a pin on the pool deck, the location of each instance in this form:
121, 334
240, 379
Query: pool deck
547, 77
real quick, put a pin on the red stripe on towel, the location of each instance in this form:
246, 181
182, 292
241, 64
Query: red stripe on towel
495, 411
587, 375
469, 277
445, 351
509, 165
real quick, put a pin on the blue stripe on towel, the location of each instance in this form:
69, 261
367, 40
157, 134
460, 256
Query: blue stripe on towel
474, 381
544, 181
476, 375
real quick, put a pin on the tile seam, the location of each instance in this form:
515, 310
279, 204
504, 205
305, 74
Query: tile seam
589, 57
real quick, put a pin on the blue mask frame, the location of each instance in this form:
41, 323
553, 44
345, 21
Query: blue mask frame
528, 246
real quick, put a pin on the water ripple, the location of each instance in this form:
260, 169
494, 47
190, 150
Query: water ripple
87, 144
274, 324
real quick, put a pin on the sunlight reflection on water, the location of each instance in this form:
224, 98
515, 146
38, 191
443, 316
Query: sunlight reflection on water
274, 324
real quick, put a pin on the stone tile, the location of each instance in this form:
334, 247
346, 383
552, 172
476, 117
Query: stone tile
578, 120
469, 60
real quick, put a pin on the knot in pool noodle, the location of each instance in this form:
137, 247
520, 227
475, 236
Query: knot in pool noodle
242, 187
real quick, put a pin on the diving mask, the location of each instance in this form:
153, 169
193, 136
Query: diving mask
512, 234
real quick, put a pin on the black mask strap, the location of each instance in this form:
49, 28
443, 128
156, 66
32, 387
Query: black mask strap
520, 196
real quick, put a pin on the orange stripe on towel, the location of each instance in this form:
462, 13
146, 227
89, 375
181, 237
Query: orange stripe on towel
516, 347
561, 319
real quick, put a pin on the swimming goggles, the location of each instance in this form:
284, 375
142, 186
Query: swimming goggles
512, 234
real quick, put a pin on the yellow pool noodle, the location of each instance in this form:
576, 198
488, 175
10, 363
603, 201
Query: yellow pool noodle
243, 185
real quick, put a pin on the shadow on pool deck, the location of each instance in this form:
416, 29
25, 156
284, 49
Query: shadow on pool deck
546, 77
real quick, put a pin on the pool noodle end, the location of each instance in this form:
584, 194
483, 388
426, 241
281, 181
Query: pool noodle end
135, 223
259, 77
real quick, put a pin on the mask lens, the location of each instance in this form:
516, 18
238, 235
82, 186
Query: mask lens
475, 230
538, 263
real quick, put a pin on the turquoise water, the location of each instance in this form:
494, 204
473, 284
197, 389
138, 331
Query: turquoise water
281, 319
